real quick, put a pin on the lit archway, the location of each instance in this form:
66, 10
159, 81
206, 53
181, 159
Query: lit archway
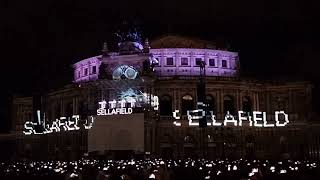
246, 104
228, 104
187, 104
211, 104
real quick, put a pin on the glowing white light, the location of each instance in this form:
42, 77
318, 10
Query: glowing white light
254, 170
286, 118
73, 125
230, 119
272, 168
214, 121
234, 168
62, 123
256, 118
152, 176
38, 115
176, 117
122, 103
112, 104
283, 171
243, 118
72, 175
55, 126
29, 127
88, 125
192, 117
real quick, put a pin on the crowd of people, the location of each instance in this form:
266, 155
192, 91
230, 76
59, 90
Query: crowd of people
159, 169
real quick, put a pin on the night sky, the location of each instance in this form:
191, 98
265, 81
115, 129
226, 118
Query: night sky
42, 39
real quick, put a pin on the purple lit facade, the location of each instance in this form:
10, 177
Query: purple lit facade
87, 69
172, 62
184, 62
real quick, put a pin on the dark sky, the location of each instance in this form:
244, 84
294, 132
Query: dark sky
41, 39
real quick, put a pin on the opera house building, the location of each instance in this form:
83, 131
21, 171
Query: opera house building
173, 97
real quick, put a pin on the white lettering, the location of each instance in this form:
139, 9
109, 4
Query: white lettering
265, 121
55, 126
286, 118
122, 103
256, 118
243, 118
229, 118
88, 125
62, 122
214, 121
175, 115
28, 126
102, 104
112, 104
72, 124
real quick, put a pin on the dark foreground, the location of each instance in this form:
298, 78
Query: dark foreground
86, 169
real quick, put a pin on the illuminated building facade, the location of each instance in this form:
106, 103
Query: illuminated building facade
169, 68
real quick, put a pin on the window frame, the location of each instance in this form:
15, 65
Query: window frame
95, 70
195, 61
223, 60
214, 62
172, 61
185, 58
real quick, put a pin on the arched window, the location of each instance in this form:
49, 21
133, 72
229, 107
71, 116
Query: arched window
69, 109
165, 106
187, 104
246, 104
211, 103
57, 110
228, 104
280, 106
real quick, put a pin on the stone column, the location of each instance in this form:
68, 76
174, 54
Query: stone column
74, 105
268, 102
220, 111
175, 99
257, 101
219, 63
239, 102
254, 101
61, 107
176, 58
291, 103
192, 63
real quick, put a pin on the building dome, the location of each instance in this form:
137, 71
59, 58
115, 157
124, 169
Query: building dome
175, 41
130, 47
